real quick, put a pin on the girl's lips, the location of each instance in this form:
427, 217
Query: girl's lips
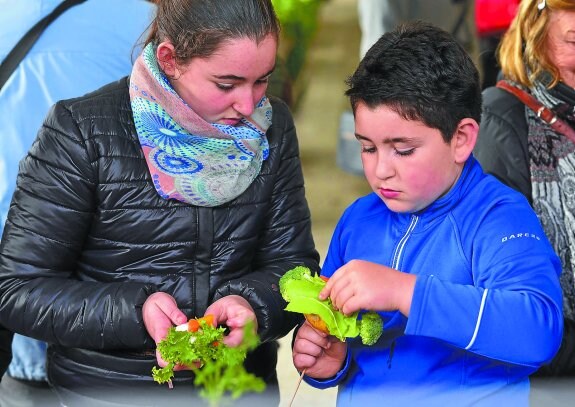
230, 122
388, 193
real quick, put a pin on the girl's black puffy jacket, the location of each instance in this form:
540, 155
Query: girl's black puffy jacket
88, 239
5, 349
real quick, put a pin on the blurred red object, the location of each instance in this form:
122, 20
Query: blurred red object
494, 16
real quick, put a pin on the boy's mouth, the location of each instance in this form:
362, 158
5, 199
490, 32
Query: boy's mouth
388, 193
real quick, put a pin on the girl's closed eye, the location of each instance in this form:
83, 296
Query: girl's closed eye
263, 80
225, 86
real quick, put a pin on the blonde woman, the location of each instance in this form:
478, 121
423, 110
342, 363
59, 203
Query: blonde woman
530, 144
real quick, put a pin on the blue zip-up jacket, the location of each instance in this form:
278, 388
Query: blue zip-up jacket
486, 309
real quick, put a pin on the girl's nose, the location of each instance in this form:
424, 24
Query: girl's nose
245, 103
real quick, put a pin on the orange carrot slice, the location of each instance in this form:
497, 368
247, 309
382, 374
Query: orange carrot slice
318, 323
194, 324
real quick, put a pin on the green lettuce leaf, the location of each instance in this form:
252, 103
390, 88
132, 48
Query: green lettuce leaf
221, 370
301, 290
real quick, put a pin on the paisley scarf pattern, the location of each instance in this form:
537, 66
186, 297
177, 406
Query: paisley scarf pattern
552, 163
189, 159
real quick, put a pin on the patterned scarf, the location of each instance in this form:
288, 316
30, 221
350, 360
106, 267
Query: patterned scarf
189, 159
552, 162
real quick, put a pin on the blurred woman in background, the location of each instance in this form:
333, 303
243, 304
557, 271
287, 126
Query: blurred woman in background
527, 135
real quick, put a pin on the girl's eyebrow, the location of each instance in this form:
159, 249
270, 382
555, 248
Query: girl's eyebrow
241, 78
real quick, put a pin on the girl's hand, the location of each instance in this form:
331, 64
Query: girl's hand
160, 313
234, 312
320, 354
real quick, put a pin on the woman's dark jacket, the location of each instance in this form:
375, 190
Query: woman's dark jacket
5, 349
503, 152
88, 239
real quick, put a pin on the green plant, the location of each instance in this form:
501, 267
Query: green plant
218, 369
299, 19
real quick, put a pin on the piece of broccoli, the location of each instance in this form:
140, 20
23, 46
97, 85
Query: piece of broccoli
299, 279
370, 328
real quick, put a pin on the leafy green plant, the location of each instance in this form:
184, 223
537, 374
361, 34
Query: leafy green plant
218, 369
299, 19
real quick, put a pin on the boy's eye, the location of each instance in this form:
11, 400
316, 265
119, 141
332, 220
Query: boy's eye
405, 152
368, 149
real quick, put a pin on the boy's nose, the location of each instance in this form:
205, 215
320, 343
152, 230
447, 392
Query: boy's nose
384, 169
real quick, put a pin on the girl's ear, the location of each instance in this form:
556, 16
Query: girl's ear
464, 139
166, 56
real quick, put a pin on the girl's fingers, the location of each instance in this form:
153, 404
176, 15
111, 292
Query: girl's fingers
169, 307
234, 338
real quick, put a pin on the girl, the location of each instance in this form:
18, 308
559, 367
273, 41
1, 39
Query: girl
167, 195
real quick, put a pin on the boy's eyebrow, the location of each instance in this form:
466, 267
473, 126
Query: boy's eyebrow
241, 78
387, 140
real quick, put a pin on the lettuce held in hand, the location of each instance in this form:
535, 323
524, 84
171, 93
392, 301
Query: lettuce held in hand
301, 290
218, 369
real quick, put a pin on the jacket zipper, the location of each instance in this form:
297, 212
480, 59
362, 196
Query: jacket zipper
401, 245
395, 264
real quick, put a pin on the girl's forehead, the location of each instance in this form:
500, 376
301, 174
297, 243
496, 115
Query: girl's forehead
244, 54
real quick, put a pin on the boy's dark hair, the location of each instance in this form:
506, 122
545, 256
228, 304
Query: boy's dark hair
422, 73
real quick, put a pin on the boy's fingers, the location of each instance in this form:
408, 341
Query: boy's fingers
331, 283
302, 361
342, 297
326, 291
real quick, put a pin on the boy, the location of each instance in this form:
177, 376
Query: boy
456, 263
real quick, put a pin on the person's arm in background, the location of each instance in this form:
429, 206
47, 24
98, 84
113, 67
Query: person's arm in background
5, 349
501, 146
285, 241
563, 364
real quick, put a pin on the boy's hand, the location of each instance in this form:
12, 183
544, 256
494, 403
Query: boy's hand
321, 355
234, 312
369, 286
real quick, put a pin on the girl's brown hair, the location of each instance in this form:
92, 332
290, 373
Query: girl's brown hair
197, 28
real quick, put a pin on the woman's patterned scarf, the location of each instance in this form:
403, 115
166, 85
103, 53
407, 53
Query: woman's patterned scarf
552, 162
189, 159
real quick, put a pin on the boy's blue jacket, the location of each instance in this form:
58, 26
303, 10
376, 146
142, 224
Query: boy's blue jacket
486, 310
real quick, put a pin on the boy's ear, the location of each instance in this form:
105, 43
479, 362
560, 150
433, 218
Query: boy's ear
166, 56
464, 139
